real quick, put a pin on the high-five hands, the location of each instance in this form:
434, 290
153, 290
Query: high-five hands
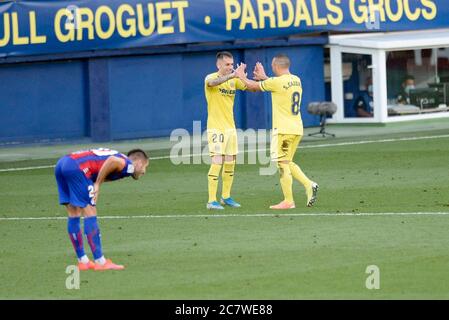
259, 72
240, 71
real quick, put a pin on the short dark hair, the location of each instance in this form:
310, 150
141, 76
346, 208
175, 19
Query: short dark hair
408, 77
222, 54
138, 153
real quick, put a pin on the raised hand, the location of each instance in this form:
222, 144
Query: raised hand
240, 71
259, 72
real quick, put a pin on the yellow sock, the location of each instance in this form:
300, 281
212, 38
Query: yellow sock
212, 178
286, 181
299, 175
228, 177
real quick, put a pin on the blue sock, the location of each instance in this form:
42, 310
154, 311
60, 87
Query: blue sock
74, 230
93, 236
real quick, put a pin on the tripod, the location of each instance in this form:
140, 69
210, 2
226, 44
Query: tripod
322, 131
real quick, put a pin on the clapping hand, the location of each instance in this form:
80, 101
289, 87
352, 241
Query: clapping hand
259, 72
240, 71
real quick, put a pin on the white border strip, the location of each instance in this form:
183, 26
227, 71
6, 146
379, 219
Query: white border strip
256, 215
264, 149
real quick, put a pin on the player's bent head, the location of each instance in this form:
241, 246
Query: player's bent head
281, 61
140, 161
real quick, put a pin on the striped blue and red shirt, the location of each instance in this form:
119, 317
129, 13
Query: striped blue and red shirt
91, 161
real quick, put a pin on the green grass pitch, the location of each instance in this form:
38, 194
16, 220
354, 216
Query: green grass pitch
243, 255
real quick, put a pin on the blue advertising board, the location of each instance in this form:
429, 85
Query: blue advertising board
43, 27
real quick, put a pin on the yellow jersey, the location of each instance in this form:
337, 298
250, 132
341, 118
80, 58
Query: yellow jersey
220, 102
286, 95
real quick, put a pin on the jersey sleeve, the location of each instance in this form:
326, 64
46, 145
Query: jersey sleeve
269, 84
128, 169
209, 77
239, 85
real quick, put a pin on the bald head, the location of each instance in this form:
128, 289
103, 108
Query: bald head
282, 61
280, 65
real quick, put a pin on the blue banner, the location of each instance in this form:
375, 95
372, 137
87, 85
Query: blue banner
44, 27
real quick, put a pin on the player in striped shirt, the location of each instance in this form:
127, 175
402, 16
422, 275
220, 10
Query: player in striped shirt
79, 176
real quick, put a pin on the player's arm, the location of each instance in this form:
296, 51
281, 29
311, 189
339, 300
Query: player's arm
259, 72
222, 79
112, 164
251, 85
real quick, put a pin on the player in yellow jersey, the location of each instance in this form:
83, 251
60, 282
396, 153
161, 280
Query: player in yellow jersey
287, 131
220, 88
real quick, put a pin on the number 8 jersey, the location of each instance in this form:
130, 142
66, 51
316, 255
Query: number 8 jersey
286, 95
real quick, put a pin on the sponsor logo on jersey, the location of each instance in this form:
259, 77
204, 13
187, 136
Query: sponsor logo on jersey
227, 92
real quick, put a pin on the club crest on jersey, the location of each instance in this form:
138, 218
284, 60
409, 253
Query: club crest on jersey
232, 84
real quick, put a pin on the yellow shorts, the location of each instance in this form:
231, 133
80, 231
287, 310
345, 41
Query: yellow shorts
283, 146
222, 142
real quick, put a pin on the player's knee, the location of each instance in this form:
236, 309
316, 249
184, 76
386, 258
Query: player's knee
73, 211
217, 159
74, 214
280, 165
281, 162
89, 211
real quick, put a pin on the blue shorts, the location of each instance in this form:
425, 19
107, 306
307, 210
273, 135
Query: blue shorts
73, 186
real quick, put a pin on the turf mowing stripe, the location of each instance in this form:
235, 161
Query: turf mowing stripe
375, 141
322, 145
265, 149
256, 215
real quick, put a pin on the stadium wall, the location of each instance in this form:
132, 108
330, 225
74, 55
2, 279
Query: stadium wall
106, 98
44, 101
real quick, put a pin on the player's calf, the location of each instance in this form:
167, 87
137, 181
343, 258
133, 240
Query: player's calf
312, 194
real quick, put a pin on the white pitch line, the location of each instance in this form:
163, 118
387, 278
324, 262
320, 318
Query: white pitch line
265, 149
27, 168
256, 215
377, 141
